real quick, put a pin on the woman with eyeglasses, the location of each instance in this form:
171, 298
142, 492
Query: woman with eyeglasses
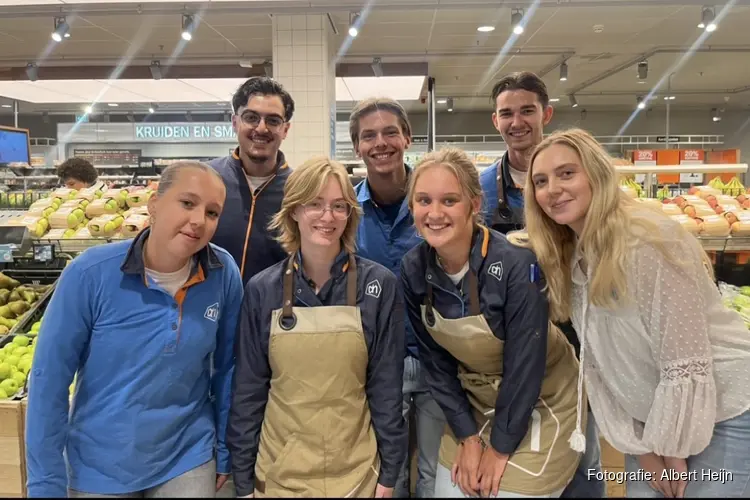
319, 360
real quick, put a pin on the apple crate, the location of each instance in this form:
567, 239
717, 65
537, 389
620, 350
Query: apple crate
12, 449
21, 393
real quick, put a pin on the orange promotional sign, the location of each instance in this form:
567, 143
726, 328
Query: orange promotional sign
692, 155
644, 155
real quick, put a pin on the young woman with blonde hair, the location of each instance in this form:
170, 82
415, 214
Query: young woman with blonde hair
503, 376
319, 359
665, 364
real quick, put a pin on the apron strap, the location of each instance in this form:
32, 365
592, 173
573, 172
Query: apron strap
473, 296
501, 203
351, 282
287, 319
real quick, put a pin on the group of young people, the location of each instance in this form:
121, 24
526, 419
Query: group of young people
281, 325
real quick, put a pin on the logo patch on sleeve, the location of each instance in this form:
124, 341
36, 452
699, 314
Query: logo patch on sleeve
496, 270
373, 289
212, 312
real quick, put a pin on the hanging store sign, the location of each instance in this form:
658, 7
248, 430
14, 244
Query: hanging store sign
663, 138
183, 132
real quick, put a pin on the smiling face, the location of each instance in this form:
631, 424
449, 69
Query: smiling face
443, 213
561, 186
520, 119
381, 143
186, 215
260, 127
322, 221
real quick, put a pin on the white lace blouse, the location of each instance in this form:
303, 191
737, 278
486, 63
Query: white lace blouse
662, 370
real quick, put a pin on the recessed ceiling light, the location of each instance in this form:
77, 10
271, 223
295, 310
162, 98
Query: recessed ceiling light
486, 29
439, 101
112, 104
7, 105
554, 99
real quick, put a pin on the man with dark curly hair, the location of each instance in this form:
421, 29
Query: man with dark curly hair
77, 173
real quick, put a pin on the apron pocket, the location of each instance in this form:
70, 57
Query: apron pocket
299, 469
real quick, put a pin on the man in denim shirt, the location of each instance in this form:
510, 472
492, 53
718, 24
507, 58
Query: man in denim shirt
380, 133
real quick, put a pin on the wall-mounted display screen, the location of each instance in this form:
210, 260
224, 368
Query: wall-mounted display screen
14, 145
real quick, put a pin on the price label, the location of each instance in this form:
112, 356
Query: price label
6, 253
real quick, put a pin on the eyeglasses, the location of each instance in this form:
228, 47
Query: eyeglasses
253, 119
340, 210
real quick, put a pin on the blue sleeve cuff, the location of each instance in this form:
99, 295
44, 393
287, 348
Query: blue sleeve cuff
505, 443
223, 462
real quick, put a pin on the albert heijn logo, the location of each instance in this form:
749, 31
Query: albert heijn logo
212, 312
373, 289
496, 270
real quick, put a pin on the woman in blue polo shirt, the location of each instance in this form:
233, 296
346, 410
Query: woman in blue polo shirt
148, 326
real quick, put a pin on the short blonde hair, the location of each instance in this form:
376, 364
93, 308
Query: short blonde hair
304, 185
459, 163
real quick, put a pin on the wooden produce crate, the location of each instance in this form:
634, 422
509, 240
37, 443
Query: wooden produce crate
12, 449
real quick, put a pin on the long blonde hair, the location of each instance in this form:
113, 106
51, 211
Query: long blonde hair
305, 184
611, 229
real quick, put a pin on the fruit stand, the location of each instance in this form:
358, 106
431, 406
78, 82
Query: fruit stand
25, 290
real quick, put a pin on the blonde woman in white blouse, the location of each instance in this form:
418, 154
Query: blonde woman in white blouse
666, 365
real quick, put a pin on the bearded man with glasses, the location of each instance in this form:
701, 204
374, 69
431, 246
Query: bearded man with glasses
255, 174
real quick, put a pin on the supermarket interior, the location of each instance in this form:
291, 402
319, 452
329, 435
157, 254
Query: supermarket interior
135, 85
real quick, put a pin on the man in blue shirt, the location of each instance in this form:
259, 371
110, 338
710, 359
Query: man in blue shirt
522, 110
381, 133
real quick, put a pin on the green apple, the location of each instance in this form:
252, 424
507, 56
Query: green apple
72, 220
3, 394
21, 340
24, 366
4, 370
9, 348
10, 386
13, 360
19, 377
21, 352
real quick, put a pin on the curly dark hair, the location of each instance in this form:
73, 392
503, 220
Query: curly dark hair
78, 169
262, 85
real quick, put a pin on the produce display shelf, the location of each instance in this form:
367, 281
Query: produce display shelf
725, 243
76, 245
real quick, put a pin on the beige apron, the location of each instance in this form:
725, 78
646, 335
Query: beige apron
317, 439
543, 462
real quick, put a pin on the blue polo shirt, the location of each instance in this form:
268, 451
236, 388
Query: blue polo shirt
385, 239
148, 406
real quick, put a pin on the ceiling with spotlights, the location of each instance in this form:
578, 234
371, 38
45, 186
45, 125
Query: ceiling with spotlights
596, 45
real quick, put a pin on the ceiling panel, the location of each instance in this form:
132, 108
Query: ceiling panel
446, 38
